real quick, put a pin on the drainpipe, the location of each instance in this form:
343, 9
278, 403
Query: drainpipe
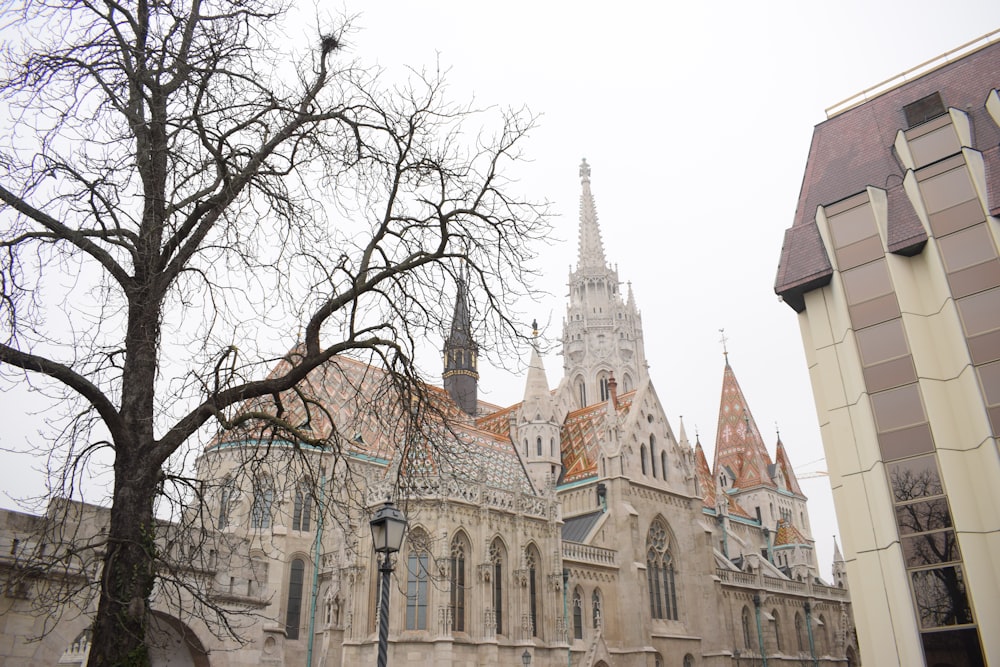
760, 632
316, 565
809, 630
569, 639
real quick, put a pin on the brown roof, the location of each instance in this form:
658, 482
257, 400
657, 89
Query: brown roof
738, 445
854, 150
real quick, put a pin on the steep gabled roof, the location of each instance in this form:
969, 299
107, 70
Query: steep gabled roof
581, 437
706, 483
788, 534
781, 460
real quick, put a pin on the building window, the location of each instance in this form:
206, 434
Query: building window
578, 613
457, 583
531, 561
777, 629
660, 572
689, 660
745, 621
226, 496
652, 454
497, 559
260, 510
538, 446
798, 632
302, 508
663, 465
605, 393
924, 109
642, 458
417, 577
595, 604
582, 388
296, 575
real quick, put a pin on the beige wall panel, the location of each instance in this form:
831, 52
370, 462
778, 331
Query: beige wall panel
840, 445
865, 437
827, 373
956, 412
970, 482
816, 318
982, 566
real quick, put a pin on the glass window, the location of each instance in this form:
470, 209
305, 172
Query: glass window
417, 578
578, 613
777, 629
497, 553
660, 573
980, 312
799, 632
940, 597
745, 622
293, 613
457, 583
953, 647
852, 226
531, 559
260, 510
930, 548
882, 342
897, 408
923, 517
302, 508
226, 496
913, 479
867, 282
967, 247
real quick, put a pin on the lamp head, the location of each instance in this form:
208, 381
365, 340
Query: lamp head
388, 528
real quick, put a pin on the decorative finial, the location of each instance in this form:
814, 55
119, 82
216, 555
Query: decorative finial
723, 339
777, 430
534, 328
584, 171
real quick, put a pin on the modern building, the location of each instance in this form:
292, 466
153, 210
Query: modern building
893, 266
577, 525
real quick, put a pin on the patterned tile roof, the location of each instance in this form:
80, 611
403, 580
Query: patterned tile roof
738, 444
581, 438
781, 460
706, 483
788, 534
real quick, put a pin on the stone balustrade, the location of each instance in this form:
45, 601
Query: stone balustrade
764, 582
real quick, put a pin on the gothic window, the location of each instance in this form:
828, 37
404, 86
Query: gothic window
689, 660
642, 458
777, 629
497, 559
824, 637
663, 465
260, 510
552, 447
417, 578
525, 448
652, 453
227, 494
583, 393
595, 604
531, 561
293, 612
578, 613
302, 508
538, 446
459, 551
658, 660
605, 393
746, 627
660, 572
798, 631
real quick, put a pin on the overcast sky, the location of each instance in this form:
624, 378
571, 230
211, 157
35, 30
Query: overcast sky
696, 118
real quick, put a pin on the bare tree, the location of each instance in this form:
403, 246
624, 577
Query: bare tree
184, 203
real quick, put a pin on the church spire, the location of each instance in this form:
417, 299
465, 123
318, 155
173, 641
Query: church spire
461, 377
591, 247
738, 445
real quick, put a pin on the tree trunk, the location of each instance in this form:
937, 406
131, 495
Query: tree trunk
119, 638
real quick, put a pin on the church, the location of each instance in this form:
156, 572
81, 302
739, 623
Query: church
576, 527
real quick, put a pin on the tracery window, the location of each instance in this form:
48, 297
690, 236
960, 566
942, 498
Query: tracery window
260, 509
302, 508
497, 559
226, 496
293, 611
745, 621
578, 613
660, 572
417, 579
458, 579
531, 562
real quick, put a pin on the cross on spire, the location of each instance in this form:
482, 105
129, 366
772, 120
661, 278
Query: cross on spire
723, 340
584, 171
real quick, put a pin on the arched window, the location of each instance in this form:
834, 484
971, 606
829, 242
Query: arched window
746, 627
497, 557
582, 388
417, 579
658, 660
689, 660
552, 447
260, 510
602, 382
777, 630
458, 578
578, 613
663, 465
302, 508
798, 631
595, 604
642, 458
525, 448
293, 613
531, 561
660, 572
824, 635
538, 446
652, 453
226, 497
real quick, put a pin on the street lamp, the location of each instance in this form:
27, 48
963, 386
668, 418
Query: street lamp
388, 527
526, 658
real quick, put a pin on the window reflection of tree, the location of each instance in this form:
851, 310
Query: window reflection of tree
940, 597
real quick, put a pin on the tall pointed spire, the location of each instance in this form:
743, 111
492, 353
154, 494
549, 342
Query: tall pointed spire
461, 375
785, 468
738, 445
591, 247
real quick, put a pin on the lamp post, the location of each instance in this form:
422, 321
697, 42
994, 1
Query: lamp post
526, 658
388, 527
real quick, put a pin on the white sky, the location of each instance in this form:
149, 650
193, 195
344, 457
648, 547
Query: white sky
696, 118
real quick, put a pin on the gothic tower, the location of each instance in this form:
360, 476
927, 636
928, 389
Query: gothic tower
602, 332
538, 425
461, 376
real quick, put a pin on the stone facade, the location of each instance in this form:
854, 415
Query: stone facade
577, 525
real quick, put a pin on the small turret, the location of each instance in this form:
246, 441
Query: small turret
537, 425
839, 566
